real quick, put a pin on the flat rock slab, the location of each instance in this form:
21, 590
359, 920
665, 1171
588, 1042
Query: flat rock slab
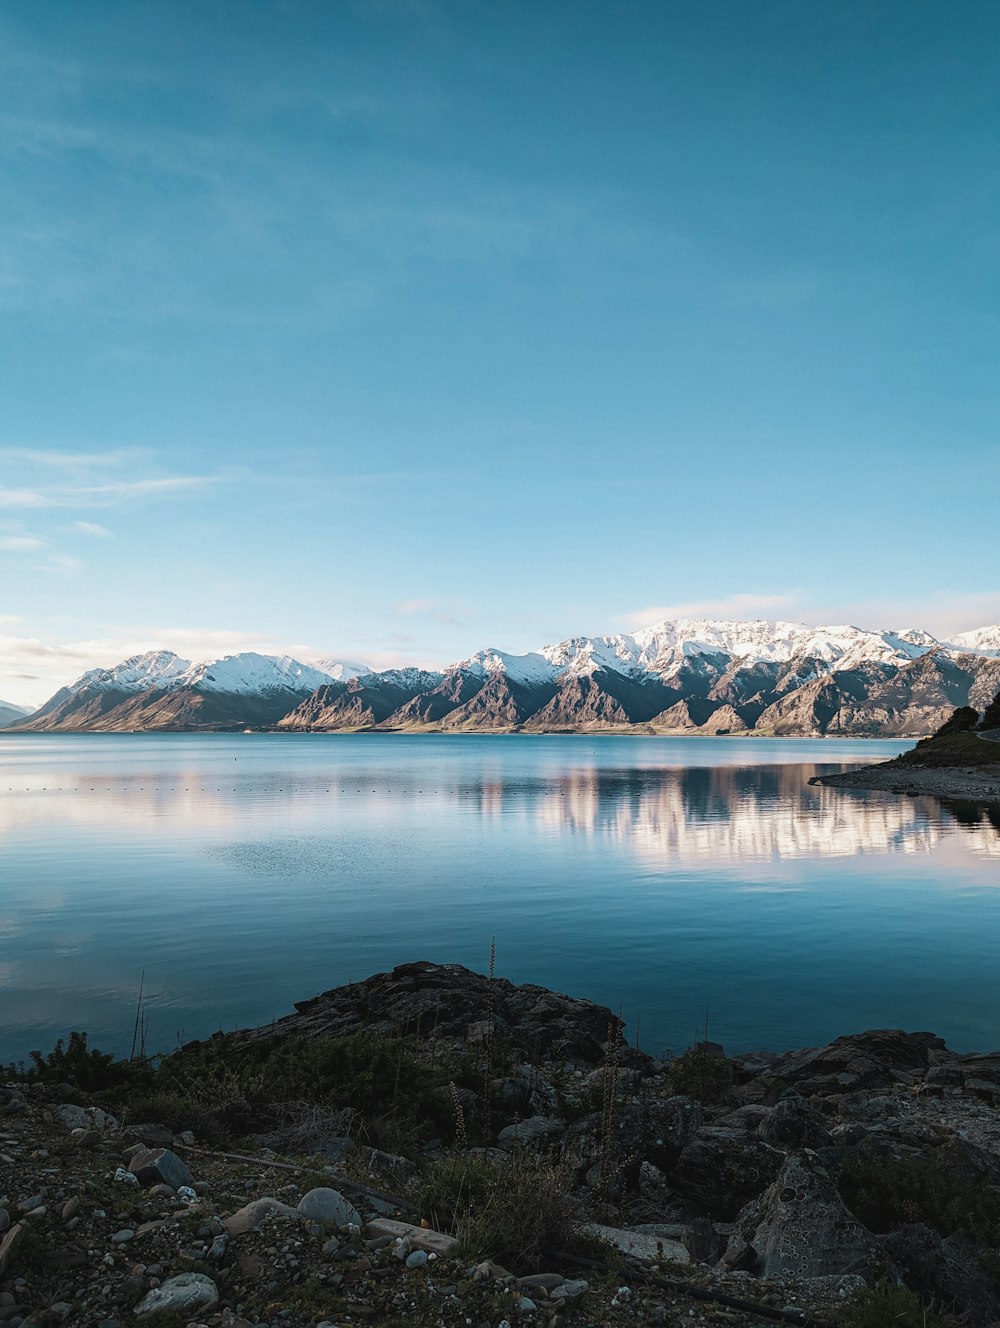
640, 1244
253, 1214
421, 1238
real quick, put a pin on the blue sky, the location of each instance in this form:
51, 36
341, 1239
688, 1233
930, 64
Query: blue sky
396, 328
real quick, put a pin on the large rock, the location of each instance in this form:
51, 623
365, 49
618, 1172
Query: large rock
187, 1292
800, 1227
656, 1132
948, 1270
643, 1245
722, 1170
448, 1002
878, 1060
535, 1132
159, 1166
330, 1208
792, 1123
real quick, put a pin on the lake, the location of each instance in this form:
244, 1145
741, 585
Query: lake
677, 879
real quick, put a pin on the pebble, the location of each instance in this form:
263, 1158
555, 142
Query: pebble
123, 1237
416, 1259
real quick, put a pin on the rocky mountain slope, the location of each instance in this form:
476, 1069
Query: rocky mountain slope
680, 676
10, 713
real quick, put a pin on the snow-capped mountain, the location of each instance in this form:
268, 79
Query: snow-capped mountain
250, 674
680, 675
983, 641
139, 673
340, 670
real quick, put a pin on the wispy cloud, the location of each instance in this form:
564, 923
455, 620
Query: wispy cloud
102, 495
731, 606
20, 543
94, 528
60, 564
41, 456
437, 610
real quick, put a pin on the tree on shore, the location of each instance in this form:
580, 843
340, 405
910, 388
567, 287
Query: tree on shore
991, 715
962, 720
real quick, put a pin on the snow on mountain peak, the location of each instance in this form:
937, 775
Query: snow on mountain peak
980, 641
253, 674
530, 669
139, 673
340, 670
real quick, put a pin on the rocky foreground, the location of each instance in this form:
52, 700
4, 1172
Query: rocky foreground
696, 1190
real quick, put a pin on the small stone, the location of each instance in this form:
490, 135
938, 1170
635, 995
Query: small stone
416, 1259
123, 1237
70, 1208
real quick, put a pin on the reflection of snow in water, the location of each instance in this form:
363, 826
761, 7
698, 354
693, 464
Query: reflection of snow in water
703, 814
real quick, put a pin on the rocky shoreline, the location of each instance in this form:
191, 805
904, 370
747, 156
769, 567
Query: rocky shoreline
700, 1189
959, 784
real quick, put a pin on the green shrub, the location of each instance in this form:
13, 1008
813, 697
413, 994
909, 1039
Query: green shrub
700, 1074
515, 1210
891, 1306
885, 1193
82, 1066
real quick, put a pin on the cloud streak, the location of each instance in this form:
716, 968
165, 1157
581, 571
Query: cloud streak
102, 495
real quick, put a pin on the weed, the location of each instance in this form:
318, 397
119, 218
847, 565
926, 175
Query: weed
702, 1074
891, 1306
514, 1209
885, 1193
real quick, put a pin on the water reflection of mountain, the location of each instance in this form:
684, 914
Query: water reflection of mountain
682, 815
757, 813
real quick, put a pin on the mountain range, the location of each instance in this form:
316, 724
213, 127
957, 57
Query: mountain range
680, 676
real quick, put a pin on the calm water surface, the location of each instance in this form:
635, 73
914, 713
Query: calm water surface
662, 876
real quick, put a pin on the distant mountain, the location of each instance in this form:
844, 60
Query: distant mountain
679, 676
160, 691
11, 713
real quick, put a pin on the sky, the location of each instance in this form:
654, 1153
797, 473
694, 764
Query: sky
393, 329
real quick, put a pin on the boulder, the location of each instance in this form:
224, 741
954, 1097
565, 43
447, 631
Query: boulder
877, 1060
723, 1170
800, 1227
946, 1269
534, 1132
159, 1166
330, 1208
526, 1092
185, 1293
792, 1123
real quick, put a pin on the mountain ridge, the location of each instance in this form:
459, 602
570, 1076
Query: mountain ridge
713, 676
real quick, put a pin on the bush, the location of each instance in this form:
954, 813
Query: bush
891, 1306
702, 1074
885, 1193
82, 1066
513, 1209
991, 715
